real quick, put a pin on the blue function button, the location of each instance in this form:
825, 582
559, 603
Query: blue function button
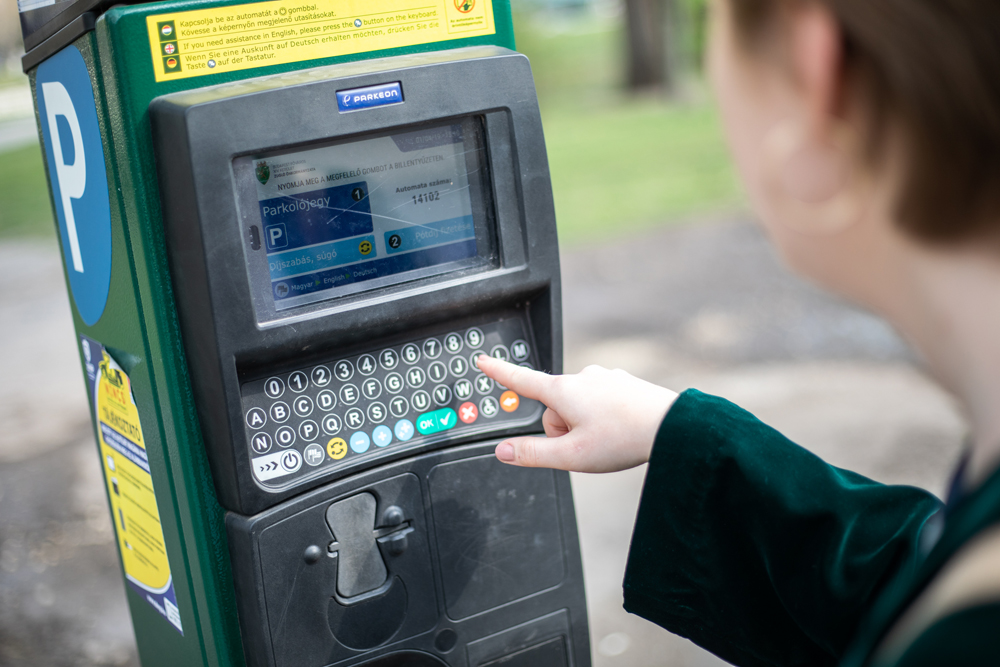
382, 435
404, 429
360, 442
370, 96
437, 421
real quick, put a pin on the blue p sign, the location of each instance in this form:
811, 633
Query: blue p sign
276, 237
75, 156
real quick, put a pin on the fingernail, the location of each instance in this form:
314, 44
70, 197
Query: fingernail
505, 451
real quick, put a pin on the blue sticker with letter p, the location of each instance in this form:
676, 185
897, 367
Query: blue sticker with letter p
78, 177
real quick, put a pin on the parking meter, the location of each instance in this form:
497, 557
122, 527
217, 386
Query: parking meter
307, 258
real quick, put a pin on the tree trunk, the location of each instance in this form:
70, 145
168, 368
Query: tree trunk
650, 61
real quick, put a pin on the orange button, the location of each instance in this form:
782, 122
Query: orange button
509, 401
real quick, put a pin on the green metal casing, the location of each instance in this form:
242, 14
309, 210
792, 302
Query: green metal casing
140, 328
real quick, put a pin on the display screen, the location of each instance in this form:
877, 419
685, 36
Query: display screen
365, 213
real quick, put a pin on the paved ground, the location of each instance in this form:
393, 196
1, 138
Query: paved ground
710, 309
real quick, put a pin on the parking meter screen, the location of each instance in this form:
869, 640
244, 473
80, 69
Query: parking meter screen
366, 213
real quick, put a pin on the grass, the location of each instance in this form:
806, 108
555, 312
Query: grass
620, 163
634, 166
25, 208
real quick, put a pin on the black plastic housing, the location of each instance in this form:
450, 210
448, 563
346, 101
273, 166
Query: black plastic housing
197, 134
491, 573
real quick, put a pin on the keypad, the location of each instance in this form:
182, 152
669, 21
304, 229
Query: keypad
414, 393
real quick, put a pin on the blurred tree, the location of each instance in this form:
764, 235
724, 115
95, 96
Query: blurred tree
650, 32
666, 39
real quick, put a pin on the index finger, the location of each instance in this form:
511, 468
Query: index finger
524, 381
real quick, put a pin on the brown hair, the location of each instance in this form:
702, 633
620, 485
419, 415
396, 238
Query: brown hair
933, 67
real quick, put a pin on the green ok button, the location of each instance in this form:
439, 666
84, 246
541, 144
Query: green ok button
437, 421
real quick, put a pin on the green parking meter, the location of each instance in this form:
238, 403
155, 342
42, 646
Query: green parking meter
289, 229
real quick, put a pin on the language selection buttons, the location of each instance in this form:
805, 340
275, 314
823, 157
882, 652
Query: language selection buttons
360, 442
404, 429
314, 454
382, 436
436, 421
468, 412
336, 448
509, 401
278, 464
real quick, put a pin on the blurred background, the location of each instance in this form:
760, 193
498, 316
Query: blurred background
665, 275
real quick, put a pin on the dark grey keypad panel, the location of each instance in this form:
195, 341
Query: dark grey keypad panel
412, 394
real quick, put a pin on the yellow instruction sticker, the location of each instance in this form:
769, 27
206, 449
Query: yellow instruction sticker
130, 486
229, 39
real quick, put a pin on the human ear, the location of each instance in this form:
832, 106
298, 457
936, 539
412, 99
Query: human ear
816, 57
811, 176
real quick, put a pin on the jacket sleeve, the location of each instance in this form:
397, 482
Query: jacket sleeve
754, 548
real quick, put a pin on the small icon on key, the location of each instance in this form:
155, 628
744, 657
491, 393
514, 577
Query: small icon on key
337, 448
509, 401
468, 412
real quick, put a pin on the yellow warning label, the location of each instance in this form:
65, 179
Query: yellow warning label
130, 485
228, 39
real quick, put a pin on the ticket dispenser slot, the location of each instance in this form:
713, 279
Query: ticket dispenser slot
337, 274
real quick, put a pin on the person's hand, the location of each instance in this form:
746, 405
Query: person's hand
596, 421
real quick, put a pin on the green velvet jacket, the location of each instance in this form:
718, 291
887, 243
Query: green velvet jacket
758, 551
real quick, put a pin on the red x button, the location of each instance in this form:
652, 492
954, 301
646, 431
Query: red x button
468, 412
